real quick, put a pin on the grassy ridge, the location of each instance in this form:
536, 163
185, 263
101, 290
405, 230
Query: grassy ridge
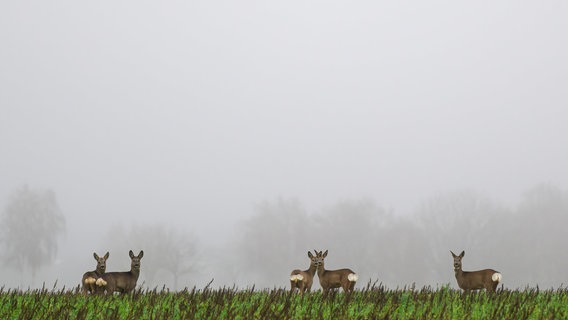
231, 303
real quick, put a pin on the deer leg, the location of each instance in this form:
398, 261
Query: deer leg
91, 288
351, 286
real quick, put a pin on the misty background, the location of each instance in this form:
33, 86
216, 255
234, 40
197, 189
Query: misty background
226, 139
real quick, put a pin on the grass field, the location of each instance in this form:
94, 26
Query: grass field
370, 302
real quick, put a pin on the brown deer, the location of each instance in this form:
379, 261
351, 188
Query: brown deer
123, 282
332, 279
474, 280
303, 280
90, 277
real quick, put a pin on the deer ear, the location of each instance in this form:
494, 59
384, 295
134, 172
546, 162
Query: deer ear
462, 254
96, 256
310, 254
131, 254
453, 254
106, 255
325, 254
141, 254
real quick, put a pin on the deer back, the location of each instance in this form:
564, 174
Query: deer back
334, 278
123, 282
475, 280
303, 277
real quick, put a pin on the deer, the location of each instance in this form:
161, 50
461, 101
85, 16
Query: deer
90, 277
123, 282
303, 280
475, 280
332, 279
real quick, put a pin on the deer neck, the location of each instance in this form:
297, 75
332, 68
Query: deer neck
312, 270
458, 271
321, 270
135, 272
100, 271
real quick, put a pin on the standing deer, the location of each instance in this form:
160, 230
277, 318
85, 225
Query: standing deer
303, 280
331, 279
474, 280
123, 282
90, 277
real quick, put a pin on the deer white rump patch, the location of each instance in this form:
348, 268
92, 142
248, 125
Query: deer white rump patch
296, 277
101, 282
352, 277
496, 277
90, 280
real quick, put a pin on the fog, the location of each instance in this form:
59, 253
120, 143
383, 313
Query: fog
216, 120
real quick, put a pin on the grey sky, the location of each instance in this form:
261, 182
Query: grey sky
193, 111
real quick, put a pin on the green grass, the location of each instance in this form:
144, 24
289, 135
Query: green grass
371, 302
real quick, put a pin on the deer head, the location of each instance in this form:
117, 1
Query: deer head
135, 264
319, 258
101, 262
313, 259
458, 260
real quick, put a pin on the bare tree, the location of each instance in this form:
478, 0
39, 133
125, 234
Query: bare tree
353, 230
272, 241
397, 249
460, 219
167, 250
30, 224
176, 253
539, 227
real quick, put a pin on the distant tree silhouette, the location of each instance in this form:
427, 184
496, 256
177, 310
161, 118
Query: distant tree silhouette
459, 220
272, 240
537, 236
275, 240
352, 230
30, 225
165, 250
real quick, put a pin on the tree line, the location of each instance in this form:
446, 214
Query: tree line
524, 242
